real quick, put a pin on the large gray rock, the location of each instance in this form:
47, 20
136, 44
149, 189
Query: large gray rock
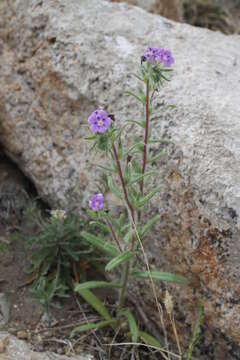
61, 60
12, 348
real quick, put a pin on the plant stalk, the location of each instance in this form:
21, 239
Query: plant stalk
123, 183
145, 141
131, 210
114, 236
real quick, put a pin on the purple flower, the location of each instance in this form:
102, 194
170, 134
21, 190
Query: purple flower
150, 54
99, 121
165, 57
160, 55
96, 202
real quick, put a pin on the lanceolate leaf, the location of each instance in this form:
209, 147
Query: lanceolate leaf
120, 259
100, 244
94, 301
146, 198
150, 340
149, 224
96, 284
138, 178
113, 188
132, 325
142, 124
91, 326
129, 93
157, 157
162, 276
103, 167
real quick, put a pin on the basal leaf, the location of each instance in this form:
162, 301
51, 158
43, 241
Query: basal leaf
120, 259
150, 340
95, 302
95, 285
162, 276
132, 325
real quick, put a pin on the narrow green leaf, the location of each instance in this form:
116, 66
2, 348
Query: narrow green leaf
95, 285
140, 177
120, 259
149, 224
113, 188
162, 276
147, 198
100, 244
157, 157
91, 326
90, 137
132, 325
141, 124
150, 340
129, 93
162, 141
95, 302
103, 167
128, 235
137, 168
126, 174
137, 76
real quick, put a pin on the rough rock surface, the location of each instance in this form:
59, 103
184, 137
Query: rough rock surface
61, 60
12, 348
171, 9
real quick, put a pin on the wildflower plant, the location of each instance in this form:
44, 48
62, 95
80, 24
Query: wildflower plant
57, 253
127, 178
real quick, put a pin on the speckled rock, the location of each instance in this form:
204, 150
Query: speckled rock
171, 9
12, 348
61, 60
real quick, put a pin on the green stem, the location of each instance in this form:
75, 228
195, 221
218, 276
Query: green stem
124, 287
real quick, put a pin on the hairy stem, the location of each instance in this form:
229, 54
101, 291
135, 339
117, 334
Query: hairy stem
144, 162
123, 183
114, 236
132, 215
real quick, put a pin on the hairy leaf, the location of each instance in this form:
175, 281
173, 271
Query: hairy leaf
95, 302
119, 260
100, 244
162, 276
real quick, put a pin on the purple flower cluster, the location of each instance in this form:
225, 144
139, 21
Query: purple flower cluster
96, 202
99, 121
162, 56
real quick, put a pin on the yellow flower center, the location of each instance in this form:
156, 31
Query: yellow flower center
100, 122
